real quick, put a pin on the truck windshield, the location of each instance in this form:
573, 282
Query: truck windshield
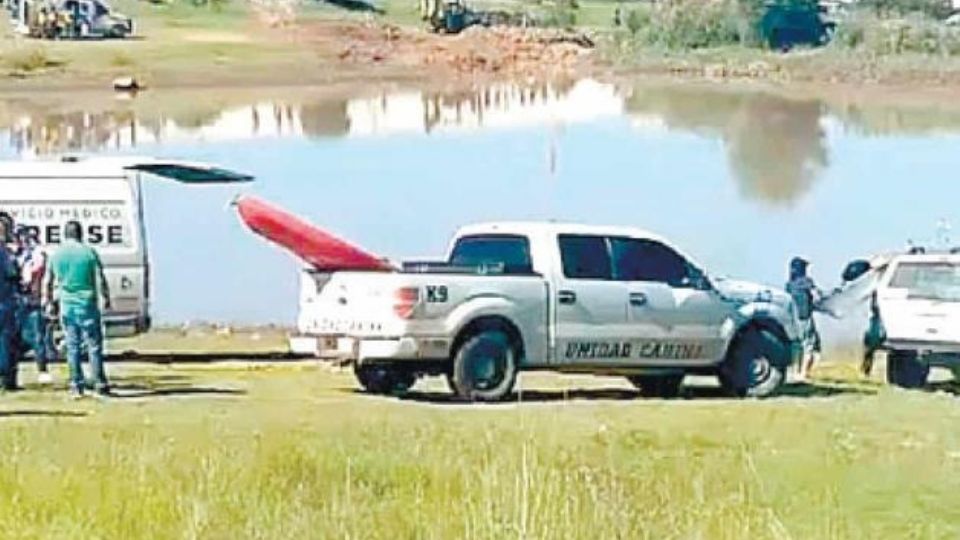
928, 280
512, 252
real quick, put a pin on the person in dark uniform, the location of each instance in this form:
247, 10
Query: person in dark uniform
806, 295
9, 282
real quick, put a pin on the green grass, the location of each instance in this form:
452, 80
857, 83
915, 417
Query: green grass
205, 339
292, 451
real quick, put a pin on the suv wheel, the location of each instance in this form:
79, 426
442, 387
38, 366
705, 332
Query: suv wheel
755, 365
904, 369
658, 386
384, 379
485, 367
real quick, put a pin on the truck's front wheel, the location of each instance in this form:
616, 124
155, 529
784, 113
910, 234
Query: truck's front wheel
904, 369
485, 367
756, 364
384, 379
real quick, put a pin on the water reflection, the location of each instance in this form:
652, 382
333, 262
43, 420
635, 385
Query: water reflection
30, 128
776, 147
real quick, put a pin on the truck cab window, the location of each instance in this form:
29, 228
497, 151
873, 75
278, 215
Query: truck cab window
648, 260
585, 257
513, 252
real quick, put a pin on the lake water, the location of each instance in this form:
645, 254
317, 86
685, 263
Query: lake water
742, 178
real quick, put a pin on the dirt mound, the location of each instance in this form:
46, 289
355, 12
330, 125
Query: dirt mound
516, 52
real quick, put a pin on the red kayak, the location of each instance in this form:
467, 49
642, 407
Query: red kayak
317, 247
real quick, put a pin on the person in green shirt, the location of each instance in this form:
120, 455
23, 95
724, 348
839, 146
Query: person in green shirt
74, 277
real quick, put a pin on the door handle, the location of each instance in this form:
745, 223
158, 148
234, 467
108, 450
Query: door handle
567, 297
638, 299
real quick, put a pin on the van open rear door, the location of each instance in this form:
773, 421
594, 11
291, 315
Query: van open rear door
187, 172
180, 171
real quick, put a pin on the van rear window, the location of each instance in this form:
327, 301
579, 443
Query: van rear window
512, 252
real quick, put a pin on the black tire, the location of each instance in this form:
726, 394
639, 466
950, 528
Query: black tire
658, 386
755, 365
384, 379
904, 369
485, 366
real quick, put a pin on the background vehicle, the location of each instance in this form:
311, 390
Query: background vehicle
572, 298
105, 196
94, 18
786, 24
74, 19
914, 310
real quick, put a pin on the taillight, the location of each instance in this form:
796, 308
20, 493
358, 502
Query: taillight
405, 300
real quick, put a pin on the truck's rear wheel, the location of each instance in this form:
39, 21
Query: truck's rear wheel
384, 379
904, 369
658, 386
485, 367
756, 364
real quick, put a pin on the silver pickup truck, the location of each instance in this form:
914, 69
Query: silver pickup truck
570, 298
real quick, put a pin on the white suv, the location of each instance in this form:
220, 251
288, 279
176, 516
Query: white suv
915, 312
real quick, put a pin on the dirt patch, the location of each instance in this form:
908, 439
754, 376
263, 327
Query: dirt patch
503, 51
217, 37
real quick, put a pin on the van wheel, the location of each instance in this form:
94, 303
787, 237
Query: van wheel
658, 386
755, 365
384, 379
485, 367
904, 369
956, 373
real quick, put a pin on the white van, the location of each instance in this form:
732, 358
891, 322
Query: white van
105, 196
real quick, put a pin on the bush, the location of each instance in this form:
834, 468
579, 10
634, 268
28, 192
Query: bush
935, 9
913, 34
693, 24
638, 19
683, 24
559, 17
31, 60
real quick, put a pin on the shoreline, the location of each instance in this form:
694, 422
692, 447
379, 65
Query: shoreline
339, 55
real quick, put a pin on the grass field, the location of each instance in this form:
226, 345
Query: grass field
294, 451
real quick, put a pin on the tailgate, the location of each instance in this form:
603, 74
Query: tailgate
360, 304
916, 320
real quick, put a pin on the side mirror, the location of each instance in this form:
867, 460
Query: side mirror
855, 269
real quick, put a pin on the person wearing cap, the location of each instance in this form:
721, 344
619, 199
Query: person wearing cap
9, 278
32, 324
806, 295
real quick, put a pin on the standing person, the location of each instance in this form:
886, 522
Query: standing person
76, 275
805, 296
8, 306
32, 263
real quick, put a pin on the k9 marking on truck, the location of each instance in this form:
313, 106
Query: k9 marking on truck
523, 296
